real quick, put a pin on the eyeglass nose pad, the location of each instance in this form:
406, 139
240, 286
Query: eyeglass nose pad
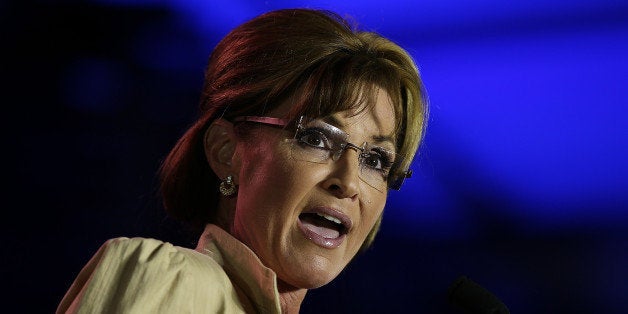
336, 155
360, 150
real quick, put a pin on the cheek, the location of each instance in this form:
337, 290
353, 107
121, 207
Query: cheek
374, 206
268, 176
263, 165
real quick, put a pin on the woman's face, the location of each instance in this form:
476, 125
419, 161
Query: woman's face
286, 207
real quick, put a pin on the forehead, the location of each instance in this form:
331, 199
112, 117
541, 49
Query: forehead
377, 119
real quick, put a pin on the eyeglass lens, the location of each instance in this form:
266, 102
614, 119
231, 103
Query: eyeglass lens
317, 141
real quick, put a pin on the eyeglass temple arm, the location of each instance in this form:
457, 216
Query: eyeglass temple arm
407, 173
264, 120
398, 182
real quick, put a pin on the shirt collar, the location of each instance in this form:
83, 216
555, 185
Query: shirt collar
244, 268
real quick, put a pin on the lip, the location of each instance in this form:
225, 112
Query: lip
328, 243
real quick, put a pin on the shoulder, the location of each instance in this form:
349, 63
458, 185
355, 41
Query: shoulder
148, 275
150, 252
155, 261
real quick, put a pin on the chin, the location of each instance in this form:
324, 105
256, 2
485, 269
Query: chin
314, 275
311, 282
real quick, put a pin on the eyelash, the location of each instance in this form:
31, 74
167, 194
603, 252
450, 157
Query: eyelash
382, 156
317, 132
385, 159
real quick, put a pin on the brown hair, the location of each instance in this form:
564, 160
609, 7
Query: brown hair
312, 59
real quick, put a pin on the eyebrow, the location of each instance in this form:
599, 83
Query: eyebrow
377, 138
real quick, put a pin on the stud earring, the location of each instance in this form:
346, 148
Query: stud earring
227, 187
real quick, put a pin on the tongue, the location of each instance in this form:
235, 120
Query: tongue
320, 226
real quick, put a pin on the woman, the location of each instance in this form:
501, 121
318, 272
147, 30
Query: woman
305, 124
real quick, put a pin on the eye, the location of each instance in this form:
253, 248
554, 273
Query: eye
377, 160
313, 138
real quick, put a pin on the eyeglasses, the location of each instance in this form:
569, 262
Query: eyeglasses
317, 141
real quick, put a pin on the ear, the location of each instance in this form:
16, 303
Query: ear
220, 143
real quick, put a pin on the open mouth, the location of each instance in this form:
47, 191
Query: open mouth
324, 225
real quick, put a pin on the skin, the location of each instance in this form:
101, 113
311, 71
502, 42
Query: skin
274, 189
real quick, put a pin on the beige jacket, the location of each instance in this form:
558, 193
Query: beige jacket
149, 276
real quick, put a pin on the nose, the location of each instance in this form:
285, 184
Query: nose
344, 180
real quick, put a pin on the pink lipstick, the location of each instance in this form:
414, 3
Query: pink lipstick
325, 226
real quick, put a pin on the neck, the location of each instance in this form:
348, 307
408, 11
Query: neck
290, 297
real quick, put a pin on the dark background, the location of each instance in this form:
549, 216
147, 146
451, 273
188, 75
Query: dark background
521, 184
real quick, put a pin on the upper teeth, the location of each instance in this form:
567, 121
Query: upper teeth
331, 218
